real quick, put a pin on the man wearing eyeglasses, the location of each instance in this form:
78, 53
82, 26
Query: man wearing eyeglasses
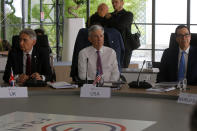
179, 63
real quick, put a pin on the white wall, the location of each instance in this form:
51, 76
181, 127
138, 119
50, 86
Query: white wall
71, 29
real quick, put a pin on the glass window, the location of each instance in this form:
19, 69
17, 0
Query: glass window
171, 11
193, 12
162, 35
13, 18
158, 55
193, 29
141, 55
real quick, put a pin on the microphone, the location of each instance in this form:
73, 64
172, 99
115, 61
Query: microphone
87, 71
140, 72
35, 60
138, 83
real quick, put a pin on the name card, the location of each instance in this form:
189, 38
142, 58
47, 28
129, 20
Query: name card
187, 98
89, 90
13, 92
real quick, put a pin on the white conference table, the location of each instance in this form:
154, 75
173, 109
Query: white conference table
129, 104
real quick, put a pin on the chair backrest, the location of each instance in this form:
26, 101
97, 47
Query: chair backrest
155, 64
42, 41
112, 38
174, 44
15, 42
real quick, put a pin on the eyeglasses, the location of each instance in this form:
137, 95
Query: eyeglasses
182, 36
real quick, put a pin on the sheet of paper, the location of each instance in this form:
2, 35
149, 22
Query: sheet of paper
62, 84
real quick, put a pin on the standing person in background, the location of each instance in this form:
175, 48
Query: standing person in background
5, 45
121, 20
99, 17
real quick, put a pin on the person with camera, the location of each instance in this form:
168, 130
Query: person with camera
121, 20
28, 62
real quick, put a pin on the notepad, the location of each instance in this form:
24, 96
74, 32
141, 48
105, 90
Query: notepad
61, 85
163, 87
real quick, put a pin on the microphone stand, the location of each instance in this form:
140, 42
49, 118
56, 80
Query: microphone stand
140, 73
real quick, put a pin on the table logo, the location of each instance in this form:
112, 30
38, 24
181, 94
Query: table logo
84, 126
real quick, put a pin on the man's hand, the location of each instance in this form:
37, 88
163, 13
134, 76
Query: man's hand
22, 78
36, 76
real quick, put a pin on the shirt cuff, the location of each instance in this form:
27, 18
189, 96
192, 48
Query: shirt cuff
43, 77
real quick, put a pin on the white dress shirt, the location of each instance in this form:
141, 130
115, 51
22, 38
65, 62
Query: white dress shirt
185, 57
108, 60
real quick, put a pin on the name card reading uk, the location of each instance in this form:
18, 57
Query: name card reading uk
89, 90
187, 98
13, 92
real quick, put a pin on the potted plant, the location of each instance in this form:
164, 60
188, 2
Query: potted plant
71, 8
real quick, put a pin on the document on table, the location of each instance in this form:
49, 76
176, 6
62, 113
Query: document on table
61, 84
163, 87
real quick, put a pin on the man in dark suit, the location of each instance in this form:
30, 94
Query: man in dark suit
171, 60
121, 20
28, 61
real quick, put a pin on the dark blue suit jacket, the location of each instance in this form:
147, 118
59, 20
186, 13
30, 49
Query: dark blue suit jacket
169, 66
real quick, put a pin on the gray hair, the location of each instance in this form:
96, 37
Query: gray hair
94, 28
31, 33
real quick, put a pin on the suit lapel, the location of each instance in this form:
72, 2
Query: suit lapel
189, 62
34, 61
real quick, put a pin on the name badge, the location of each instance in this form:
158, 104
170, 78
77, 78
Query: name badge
89, 90
13, 92
187, 98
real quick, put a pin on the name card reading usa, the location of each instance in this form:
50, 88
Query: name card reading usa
187, 98
89, 90
13, 92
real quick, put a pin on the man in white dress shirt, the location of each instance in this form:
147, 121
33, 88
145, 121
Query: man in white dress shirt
87, 62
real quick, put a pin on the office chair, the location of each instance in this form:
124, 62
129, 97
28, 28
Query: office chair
112, 38
15, 42
155, 64
174, 44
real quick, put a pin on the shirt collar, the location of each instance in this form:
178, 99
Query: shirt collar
28, 52
101, 50
186, 51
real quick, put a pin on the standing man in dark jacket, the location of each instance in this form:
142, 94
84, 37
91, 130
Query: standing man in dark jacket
121, 20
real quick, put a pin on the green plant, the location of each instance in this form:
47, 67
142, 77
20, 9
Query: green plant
75, 7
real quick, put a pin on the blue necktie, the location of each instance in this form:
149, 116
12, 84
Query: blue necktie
181, 67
